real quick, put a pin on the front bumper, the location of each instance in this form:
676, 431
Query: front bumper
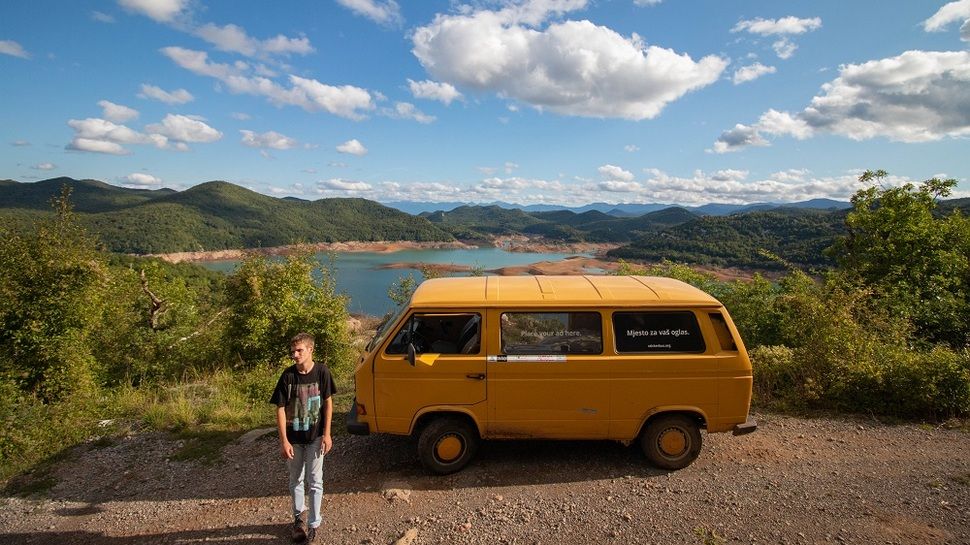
354, 426
749, 426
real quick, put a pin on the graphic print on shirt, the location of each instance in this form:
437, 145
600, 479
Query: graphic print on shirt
305, 407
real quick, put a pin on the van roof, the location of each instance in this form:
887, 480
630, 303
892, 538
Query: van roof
539, 291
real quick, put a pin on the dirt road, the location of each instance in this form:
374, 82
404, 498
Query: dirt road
793, 481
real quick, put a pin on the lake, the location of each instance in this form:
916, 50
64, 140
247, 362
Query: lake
359, 275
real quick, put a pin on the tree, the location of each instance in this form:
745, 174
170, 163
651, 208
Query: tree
915, 261
270, 301
52, 291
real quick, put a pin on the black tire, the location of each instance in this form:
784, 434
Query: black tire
447, 444
671, 441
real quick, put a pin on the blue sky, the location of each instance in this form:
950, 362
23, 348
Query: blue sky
545, 101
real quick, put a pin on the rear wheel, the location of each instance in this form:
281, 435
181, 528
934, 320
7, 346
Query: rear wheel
447, 444
671, 441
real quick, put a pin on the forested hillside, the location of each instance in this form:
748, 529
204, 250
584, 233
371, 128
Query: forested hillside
209, 216
795, 235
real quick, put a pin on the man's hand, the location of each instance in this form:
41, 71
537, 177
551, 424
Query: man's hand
326, 444
286, 449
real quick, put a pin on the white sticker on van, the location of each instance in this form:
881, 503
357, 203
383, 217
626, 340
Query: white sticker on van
531, 358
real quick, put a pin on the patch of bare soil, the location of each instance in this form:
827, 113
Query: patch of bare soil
794, 481
352, 246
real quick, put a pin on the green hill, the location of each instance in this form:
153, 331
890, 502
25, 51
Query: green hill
86, 195
211, 216
470, 222
796, 235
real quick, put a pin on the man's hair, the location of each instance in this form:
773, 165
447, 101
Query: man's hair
302, 338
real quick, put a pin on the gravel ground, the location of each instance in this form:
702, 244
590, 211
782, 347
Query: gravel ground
794, 481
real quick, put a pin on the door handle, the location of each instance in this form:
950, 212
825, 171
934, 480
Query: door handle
477, 376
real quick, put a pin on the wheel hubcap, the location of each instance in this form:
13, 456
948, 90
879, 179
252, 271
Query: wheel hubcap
672, 442
449, 448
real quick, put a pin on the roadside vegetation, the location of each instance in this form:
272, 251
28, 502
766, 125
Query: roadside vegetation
886, 331
94, 345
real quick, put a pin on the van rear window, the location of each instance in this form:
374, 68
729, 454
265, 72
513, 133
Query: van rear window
552, 333
661, 331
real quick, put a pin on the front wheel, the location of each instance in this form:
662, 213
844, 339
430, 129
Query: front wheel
671, 441
447, 444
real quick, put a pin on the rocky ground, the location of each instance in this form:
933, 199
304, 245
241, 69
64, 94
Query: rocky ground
793, 481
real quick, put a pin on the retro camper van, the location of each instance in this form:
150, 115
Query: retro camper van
628, 358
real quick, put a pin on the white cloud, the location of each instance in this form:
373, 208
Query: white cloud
751, 72
184, 129
570, 67
240, 116
311, 95
785, 25
97, 146
344, 185
142, 179
615, 186
178, 96
163, 11
102, 17
44, 166
615, 173
432, 90
784, 48
14, 49
643, 3
951, 13
20, 143
488, 171
406, 110
510, 166
353, 147
386, 12
102, 129
793, 185
631, 148
271, 139
741, 136
234, 39
917, 96
117, 112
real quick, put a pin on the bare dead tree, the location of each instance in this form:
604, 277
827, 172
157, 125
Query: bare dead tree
158, 306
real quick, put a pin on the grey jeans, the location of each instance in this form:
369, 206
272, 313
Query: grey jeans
306, 478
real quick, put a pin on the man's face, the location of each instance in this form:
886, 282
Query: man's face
301, 354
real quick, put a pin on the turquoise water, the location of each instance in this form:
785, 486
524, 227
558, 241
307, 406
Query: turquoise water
359, 274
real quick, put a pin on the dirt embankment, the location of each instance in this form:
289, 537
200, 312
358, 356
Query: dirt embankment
794, 481
381, 247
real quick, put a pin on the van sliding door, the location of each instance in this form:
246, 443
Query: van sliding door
547, 375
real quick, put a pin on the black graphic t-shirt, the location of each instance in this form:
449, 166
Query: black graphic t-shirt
303, 396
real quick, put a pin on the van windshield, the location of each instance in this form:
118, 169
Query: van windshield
385, 326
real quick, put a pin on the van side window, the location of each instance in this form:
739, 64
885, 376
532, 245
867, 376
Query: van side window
724, 337
661, 331
552, 333
439, 334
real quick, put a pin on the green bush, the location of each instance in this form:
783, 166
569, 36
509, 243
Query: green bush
271, 301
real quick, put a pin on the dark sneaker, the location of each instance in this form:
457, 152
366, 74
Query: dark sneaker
299, 530
311, 536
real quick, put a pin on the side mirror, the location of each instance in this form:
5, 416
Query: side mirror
411, 355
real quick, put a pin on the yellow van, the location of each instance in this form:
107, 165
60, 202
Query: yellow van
557, 357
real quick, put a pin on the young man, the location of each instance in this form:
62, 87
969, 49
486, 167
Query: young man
303, 412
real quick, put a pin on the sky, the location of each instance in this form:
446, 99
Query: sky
564, 102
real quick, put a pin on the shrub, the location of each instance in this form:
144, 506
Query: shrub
270, 301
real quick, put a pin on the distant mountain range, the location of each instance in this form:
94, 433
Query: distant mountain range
621, 210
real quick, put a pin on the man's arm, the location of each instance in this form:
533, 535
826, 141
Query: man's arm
327, 443
286, 449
